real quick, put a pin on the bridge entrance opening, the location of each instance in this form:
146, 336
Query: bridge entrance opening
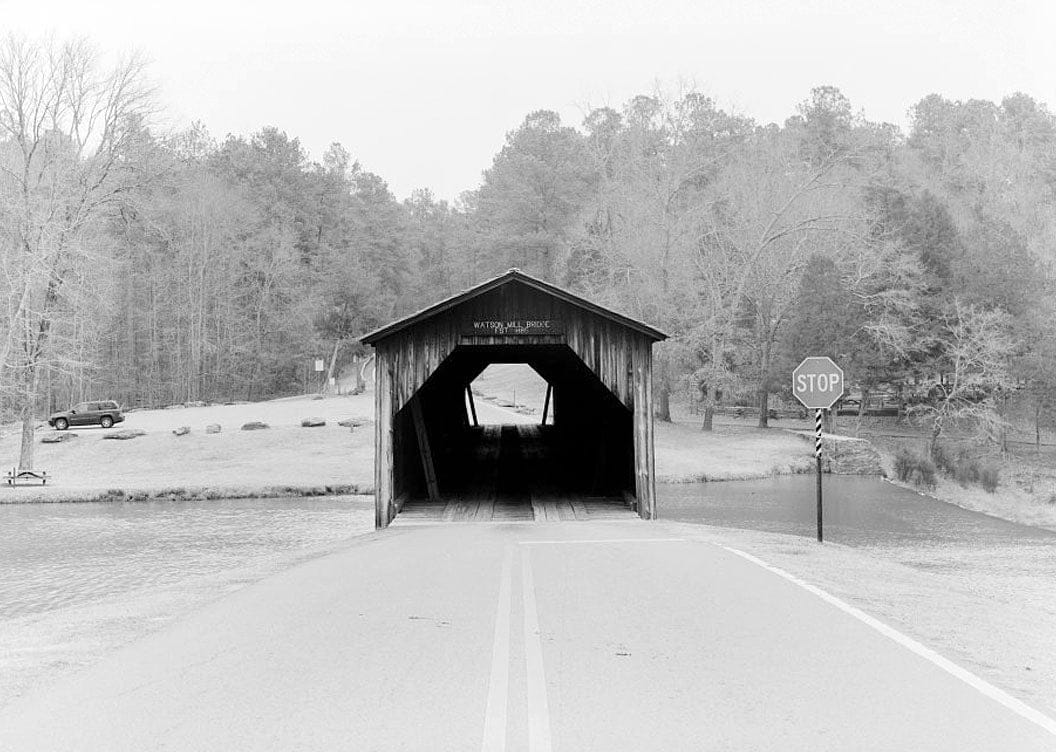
570, 455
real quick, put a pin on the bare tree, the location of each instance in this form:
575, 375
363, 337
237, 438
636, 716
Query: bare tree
978, 346
655, 163
772, 211
69, 131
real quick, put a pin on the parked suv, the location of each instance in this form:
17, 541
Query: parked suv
104, 413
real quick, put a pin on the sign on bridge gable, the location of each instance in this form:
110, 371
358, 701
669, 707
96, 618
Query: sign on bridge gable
507, 327
817, 383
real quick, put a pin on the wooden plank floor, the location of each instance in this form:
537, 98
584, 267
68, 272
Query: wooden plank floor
509, 486
546, 509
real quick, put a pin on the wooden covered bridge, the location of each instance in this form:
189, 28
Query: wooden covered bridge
596, 455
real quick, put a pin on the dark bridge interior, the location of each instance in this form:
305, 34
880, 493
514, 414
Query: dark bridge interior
583, 457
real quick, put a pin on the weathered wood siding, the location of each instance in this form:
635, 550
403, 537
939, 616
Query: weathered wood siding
603, 345
384, 465
644, 463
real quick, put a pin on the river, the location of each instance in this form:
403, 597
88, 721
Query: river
79, 580
858, 511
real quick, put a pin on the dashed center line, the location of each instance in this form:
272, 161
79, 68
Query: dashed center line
499, 683
538, 707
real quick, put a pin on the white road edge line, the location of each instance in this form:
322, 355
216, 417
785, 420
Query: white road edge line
499, 683
984, 687
538, 708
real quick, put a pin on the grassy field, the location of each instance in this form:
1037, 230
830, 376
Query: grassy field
284, 458
732, 451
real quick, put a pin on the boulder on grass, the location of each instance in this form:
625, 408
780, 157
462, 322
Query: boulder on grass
58, 437
212, 428
182, 430
125, 434
254, 425
312, 422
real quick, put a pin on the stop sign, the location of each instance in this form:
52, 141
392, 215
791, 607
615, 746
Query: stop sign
817, 383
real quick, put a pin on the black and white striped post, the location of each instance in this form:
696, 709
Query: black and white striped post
818, 384
817, 456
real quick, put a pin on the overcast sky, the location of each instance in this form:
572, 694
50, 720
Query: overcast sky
422, 92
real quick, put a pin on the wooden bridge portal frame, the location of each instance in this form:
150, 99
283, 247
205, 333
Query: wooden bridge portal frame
597, 362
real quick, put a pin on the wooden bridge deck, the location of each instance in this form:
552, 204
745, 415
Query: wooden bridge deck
511, 483
568, 509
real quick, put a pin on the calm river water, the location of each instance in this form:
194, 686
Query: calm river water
57, 555
858, 511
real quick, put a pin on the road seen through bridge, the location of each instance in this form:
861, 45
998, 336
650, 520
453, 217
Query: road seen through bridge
607, 635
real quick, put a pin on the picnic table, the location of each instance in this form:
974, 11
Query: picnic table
16, 477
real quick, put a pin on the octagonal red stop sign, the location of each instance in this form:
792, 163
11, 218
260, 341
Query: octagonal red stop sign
817, 383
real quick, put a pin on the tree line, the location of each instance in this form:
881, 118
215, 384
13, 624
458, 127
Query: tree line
154, 267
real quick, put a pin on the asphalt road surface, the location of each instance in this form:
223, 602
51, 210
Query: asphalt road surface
580, 636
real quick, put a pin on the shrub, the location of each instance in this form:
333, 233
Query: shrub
988, 478
904, 463
909, 467
924, 473
967, 470
942, 459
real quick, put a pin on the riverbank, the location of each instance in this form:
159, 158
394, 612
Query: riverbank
1027, 498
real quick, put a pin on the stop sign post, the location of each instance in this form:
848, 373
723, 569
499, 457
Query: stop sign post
817, 382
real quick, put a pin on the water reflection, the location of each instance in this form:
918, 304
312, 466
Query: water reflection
58, 555
857, 511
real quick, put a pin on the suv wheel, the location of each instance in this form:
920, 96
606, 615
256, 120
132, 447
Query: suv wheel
106, 421
62, 424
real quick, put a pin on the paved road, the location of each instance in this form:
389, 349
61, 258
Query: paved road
605, 636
